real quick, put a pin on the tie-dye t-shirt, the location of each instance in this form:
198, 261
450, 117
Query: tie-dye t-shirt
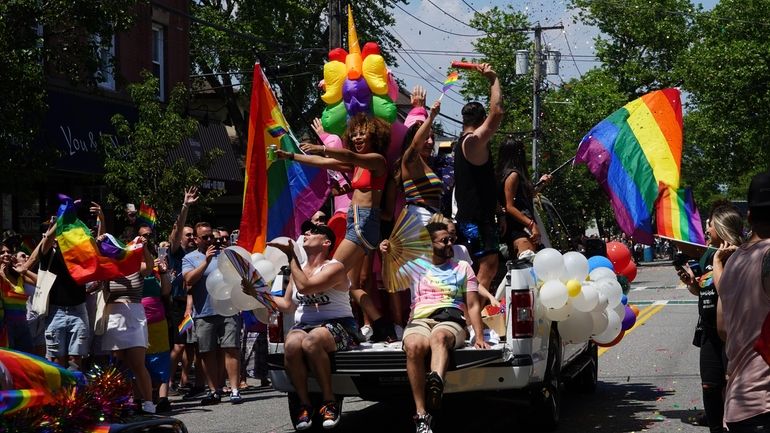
441, 286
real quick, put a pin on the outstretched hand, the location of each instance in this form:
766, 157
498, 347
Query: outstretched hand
287, 249
312, 149
418, 96
486, 70
190, 196
385, 246
435, 109
318, 127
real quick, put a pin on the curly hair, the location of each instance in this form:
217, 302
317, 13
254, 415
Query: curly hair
377, 132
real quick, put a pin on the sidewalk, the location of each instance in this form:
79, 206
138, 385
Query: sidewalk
658, 262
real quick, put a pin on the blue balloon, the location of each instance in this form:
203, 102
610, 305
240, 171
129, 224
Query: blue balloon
599, 262
624, 300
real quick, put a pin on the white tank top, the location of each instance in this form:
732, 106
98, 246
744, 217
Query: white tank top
322, 306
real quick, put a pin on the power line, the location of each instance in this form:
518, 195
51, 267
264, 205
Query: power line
437, 28
472, 8
440, 74
569, 47
451, 16
430, 82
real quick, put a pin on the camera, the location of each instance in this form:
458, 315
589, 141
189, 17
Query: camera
219, 243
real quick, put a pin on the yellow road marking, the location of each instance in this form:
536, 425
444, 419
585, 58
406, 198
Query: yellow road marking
645, 314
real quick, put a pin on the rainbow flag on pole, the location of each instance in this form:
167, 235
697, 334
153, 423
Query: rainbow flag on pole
278, 195
677, 216
185, 325
631, 152
88, 260
451, 79
147, 215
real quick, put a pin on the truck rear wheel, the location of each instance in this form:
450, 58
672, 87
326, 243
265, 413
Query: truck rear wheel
546, 400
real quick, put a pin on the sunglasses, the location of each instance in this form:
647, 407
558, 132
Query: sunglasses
206, 237
446, 241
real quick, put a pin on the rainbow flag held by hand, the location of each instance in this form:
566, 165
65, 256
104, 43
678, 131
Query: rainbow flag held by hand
631, 152
677, 216
451, 79
147, 215
88, 260
278, 195
185, 325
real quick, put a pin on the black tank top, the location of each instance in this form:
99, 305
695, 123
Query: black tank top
523, 201
475, 187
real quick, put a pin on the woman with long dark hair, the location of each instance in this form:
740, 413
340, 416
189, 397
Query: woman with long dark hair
517, 196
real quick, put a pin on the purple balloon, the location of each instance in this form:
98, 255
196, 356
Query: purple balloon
629, 319
357, 96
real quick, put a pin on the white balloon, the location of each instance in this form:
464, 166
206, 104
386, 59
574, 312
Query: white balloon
587, 299
553, 294
267, 270
548, 264
575, 266
613, 328
601, 273
276, 256
602, 303
221, 291
620, 310
600, 322
257, 257
223, 307
559, 314
243, 301
213, 280
611, 289
577, 328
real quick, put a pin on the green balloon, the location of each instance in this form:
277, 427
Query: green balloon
334, 119
384, 108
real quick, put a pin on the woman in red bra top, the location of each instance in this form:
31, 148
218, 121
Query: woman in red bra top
366, 139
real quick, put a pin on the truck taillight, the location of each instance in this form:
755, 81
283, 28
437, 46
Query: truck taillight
275, 328
522, 317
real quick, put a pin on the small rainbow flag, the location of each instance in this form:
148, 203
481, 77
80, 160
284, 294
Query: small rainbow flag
185, 325
275, 130
147, 215
88, 260
677, 216
451, 79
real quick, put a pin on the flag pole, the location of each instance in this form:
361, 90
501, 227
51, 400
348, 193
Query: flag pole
557, 169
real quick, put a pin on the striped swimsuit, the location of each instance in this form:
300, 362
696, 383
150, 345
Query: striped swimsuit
424, 191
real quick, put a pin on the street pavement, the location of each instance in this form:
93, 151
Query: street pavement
648, 382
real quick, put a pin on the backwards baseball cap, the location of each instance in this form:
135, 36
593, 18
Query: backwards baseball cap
308, 226
759, 190
130, 208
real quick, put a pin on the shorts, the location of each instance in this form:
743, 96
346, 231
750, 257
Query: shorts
214, 332
158, 365
424, 214
344, 331
126, 326
67, 331
363, 227
482, 238
426, 327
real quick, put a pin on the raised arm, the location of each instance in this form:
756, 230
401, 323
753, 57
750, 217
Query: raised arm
412, 153
475, 145
370, 161
175, 237
314, 160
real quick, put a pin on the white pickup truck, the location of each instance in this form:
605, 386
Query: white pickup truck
530, 362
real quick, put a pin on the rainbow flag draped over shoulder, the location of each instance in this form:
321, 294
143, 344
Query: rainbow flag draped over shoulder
32, 380
88, 260
631, 152
278, 195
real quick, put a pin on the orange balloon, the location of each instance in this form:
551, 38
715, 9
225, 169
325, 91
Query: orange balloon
613, 342
635, 309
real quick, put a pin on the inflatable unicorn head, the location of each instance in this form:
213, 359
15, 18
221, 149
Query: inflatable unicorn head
357, 81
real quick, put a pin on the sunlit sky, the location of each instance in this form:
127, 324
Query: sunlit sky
419, 66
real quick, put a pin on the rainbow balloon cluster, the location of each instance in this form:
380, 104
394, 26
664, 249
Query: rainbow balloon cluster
583, 296
356, 81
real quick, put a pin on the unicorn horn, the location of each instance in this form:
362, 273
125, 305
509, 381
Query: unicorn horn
353, 46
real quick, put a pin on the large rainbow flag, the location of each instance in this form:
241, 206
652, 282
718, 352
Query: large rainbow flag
630, 153
677, 216
88, 260
278, 195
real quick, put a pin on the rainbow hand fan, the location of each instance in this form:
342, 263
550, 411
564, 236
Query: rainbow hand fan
408, 242
251, 277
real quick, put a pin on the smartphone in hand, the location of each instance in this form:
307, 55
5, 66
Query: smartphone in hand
162, 252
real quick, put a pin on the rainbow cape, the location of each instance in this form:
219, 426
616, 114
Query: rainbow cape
451, 79
88, 260
32, 380
278, 195
147, 215
631, 152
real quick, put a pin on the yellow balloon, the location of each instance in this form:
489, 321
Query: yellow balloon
376, 74
573, 288
334, 78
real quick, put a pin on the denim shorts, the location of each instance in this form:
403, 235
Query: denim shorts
482, 238
67, 331
363, 227
216, 332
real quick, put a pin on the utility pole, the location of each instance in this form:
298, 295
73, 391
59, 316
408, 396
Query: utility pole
522, 66
335, 24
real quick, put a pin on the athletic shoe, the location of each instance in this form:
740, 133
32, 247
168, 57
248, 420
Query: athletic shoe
434, 391
366, 332
235, 397
399, 332
211, 398
148, 407
330, 413
163, 405
304, 418
422, 423
194, 393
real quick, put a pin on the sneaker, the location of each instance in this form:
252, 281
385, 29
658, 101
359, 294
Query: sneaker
235, 397
330, 413
422, 423
304, 418
399, 332
434, 391
148, 407
264, 383
211, 398
194, 393
366, 332
163, 405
